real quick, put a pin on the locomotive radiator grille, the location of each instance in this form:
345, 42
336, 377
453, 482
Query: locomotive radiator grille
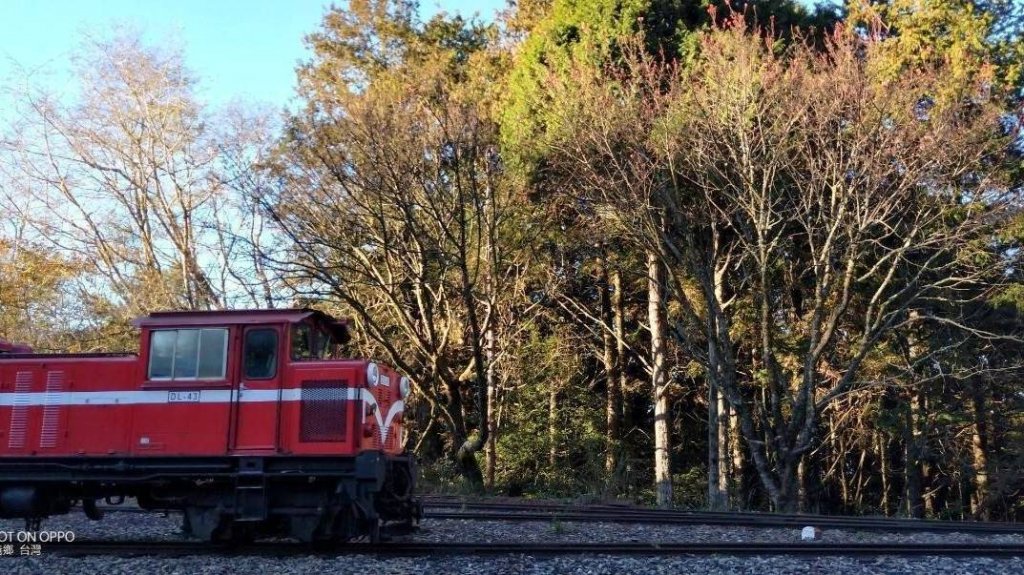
322, 411
19, 411
51, 409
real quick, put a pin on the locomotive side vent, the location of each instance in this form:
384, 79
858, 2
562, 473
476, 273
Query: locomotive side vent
51, 410
19, 412
322, 410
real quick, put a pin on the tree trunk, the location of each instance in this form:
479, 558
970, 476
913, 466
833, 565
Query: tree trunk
801, 473
553, 424
490, 453
883, 460
739, 482
844, 479
928, 492
723, 450
862, 481
659, 380
814, 486
788, 497
467, 453
979, 452
912, 464
717, 494
620, 345
454, 411
714, 496
611, 370
927, 470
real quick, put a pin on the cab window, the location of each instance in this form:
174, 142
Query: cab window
309, 342
302, 344
188, 354
260, 354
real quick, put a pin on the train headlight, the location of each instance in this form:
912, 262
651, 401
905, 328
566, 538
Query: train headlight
404, 387
372, 374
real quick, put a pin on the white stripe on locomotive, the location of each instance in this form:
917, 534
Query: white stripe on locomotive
21, 400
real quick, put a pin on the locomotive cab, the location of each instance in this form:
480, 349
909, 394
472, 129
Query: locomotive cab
249, 422
289, 385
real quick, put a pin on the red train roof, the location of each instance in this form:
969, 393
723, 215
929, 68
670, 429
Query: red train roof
8, 347
242, 317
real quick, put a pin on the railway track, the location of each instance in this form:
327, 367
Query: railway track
737, 520
481, 511
448, 508
817, 549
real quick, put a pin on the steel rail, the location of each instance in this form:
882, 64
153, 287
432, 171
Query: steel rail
738, 520
621, 514
624, 514
817, 549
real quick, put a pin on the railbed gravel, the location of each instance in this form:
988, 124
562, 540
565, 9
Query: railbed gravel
155, 527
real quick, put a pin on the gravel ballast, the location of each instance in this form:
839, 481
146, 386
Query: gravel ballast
144, 526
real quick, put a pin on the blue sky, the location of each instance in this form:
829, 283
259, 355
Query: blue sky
239, 49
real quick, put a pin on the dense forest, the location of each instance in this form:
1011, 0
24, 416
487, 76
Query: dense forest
688, 252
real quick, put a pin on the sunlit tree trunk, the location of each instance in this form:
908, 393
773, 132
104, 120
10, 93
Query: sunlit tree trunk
620, 343
490, 453
611, 369
912, 463
928, 493
553, 424
724, 459
884, 471
659, 380
718, 442
738, 471
861, 479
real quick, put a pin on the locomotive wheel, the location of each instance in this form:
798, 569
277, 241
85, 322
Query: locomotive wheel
234, 533
346, 523
374, 531
90, 509
367, 527
352, 522
206, 523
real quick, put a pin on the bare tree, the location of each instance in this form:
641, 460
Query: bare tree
393, 208
600, 151
802, 207
241, 233
123, 176
838, 206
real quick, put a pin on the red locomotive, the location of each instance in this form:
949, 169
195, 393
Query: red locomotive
248, 422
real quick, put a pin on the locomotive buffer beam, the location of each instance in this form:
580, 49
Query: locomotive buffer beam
250, 490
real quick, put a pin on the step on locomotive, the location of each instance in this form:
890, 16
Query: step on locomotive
251, 423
